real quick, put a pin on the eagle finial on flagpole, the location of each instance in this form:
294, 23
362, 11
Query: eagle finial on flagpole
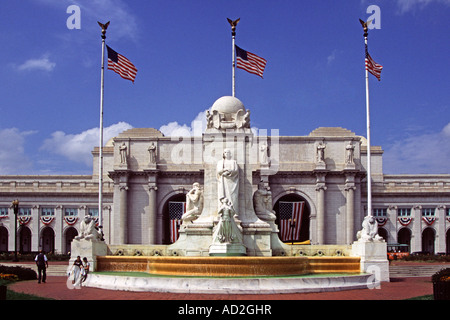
365, 26
104, 27
233, 24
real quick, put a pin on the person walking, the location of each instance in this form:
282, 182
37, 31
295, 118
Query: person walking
42, 265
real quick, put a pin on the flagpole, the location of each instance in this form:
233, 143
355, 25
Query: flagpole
100, 157
233, 41
233, 44
369, 169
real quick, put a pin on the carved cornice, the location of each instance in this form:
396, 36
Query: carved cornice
117, 174
350, 187
321, 186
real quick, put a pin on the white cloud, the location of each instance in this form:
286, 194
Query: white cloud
196, 128
425, 153
78, 147
42, 63
13, 159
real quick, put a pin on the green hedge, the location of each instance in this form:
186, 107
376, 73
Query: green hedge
442, 275
22, 273
441, 284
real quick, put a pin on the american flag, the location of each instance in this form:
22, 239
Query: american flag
373, 67
176, 210
290, 211
250, 62
121, 65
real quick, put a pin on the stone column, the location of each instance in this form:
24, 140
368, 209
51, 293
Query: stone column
154, 231
107, 223
60, 239
393, 219
320, 188
440, 229
154, 224
416, 234
34, 225
123, 211
11, 240
118, 230
350, 214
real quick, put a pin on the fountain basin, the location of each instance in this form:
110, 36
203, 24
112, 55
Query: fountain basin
228, 285
229, 266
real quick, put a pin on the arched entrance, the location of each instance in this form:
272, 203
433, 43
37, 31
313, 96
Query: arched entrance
293, 207
447, 242
404, 237
428, 236
382, 232
48, 240
25, 240
71, 233
3, 239
172, 211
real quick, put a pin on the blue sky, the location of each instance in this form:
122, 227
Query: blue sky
50, 74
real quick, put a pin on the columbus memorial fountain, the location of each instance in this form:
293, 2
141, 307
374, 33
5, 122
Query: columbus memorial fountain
228, 240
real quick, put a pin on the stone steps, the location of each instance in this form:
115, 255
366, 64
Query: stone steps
400, 271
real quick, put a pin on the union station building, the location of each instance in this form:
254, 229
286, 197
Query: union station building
147, 175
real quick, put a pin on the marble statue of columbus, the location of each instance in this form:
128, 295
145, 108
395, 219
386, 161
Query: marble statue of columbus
228, 179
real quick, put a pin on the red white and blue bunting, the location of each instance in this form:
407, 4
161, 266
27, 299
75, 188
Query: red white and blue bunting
404, 221
24, 220
71, 220
381, 221
47, 219
429, 220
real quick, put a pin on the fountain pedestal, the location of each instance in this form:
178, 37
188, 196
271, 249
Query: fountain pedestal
373, 258
90, 249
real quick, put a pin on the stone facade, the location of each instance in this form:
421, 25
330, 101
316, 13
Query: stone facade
144, 171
